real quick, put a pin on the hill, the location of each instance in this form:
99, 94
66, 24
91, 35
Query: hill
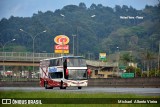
97, 29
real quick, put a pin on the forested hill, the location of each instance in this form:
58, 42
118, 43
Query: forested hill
98, 29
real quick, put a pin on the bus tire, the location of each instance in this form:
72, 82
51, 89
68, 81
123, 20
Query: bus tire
50, 87
61, 87
46, 85
79, 87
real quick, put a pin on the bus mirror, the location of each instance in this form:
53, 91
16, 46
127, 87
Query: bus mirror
89, 72
67, 72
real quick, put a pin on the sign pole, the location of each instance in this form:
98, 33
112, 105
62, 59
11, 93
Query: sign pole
62, 48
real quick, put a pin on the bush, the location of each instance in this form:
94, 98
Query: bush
138, 72
144, 74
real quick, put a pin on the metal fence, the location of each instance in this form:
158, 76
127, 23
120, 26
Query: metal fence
25, 56
103, 64
28, 56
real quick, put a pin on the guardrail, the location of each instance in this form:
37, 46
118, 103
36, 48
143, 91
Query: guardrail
25, 56
99, 63
28, 56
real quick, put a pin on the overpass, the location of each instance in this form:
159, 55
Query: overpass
30, 59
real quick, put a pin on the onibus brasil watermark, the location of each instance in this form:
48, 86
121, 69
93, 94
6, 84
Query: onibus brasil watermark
21, 101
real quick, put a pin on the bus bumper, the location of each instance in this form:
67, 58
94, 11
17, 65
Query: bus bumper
77, 83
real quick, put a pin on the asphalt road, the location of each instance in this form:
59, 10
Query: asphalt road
138, 91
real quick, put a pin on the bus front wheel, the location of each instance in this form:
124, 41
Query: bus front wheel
62, 87
46, 86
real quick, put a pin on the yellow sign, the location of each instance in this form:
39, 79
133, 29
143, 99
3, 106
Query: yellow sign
61, 51
61, 40
102, 56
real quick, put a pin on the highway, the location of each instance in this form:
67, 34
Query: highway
137, 91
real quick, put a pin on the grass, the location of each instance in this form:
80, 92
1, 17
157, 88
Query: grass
49, 94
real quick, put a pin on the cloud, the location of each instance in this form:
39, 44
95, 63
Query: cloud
15, 10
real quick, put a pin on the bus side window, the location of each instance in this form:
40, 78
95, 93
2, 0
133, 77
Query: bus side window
59, 62
52, 63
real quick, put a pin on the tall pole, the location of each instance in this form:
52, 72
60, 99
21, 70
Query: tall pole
34, 45
62, 48
62, 40
118, 61
63, 19
77, 42
73, 43
159, 57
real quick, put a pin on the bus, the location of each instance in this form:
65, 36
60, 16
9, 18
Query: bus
64, 72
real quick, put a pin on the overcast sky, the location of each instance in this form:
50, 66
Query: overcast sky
26, 8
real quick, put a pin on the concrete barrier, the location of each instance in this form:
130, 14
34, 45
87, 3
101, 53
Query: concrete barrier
112, 82
128, 82
19, 84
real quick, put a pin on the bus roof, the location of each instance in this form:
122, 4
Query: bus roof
62, 57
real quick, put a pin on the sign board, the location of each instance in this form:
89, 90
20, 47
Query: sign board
61, 51
127, 75
121, 67
102, 56
55, 69
61, 47
61, 40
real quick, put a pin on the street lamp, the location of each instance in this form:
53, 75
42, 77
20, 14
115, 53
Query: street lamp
3, 47
93, 16
33, 39
63, 19
62, 15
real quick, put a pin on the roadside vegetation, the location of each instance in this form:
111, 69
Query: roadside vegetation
49, 94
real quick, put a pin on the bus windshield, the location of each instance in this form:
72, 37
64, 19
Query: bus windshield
76, 62
77, 74
55, 75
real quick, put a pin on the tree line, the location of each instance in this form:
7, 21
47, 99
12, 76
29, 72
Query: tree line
97, 28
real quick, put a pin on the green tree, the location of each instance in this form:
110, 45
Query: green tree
126, 58
148, 56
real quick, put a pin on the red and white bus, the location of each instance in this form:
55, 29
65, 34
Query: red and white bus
64, 72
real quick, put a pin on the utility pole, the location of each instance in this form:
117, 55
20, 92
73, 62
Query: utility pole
73, 43
158, 57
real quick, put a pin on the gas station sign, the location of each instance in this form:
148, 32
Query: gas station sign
61, 41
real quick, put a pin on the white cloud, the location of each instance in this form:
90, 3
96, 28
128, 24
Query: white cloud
15, 10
